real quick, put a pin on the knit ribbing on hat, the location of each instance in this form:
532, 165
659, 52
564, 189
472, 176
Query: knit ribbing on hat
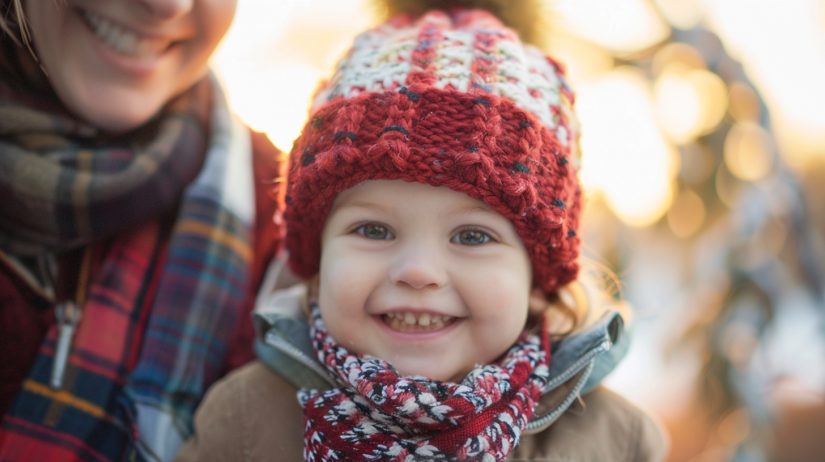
445, 101
469, 52
483, 146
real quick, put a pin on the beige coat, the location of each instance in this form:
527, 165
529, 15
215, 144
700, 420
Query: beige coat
254, 415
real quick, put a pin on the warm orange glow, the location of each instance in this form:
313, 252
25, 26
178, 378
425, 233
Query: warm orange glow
687, 214
678, 104
582, 59
625, 157
748, 151
728, 187
274, 101
276, 53
713, 97
800, 144
677, 52
689, 102
787, 66
744, 104
624, 26
682, 14
736, 426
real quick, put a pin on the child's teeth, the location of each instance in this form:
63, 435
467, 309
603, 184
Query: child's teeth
424, 320
409, 318
409, 321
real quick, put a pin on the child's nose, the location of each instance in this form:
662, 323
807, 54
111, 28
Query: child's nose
418, 267
167, 9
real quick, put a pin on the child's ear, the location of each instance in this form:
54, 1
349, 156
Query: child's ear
314, 286
311, 294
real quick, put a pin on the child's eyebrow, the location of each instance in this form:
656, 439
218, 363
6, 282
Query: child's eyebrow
360, 204
375, 206
472, 209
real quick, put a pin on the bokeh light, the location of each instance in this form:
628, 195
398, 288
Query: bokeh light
691, 110
747, 151
689, 102
625, 157
622, 26
687, 214
682, 14
781, 44
275, 54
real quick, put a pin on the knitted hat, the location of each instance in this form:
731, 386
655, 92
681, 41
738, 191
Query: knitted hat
451, 100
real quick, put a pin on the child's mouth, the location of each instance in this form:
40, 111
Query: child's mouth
416, 322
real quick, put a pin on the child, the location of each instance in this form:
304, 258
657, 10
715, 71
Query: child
432, 205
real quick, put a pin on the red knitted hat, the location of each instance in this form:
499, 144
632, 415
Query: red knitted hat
451, 100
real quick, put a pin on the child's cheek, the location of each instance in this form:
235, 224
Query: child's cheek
501, 294
345, 279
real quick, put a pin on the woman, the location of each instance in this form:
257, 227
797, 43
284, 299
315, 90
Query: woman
135, 224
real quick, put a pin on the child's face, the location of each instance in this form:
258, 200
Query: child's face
427, 278
115, 63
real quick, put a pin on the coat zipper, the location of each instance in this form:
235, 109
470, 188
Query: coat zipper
589, 357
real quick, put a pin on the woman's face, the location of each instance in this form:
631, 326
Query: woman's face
115, 63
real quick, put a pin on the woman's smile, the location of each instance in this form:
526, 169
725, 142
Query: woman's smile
124, 41
116, 63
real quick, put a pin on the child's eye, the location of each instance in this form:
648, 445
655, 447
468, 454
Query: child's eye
471, 237
374, 231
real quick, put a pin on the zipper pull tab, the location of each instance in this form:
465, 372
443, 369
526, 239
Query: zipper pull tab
68, 316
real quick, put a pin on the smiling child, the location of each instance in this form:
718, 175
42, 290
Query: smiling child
432, 207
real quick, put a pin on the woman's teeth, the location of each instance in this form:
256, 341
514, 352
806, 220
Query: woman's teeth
408, 321
123, 41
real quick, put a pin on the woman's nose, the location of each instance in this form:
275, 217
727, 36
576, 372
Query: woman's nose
167, 9
419, 266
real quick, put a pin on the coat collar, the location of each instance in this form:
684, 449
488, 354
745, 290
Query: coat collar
577, 365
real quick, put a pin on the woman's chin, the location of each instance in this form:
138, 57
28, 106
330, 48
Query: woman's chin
118, 114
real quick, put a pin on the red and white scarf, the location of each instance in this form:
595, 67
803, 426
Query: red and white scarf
378, 415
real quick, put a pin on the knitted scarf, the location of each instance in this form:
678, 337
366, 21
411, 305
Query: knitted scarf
378, 415
65, 183
165, 295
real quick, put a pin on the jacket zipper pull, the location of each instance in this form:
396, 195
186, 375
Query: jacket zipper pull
68, 315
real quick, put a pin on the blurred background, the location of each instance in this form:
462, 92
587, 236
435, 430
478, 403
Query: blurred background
704, 161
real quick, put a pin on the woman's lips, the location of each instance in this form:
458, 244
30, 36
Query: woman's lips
137, 58
124, 41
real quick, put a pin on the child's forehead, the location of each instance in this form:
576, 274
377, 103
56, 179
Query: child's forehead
398, 196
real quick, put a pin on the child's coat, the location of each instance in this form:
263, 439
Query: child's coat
254, 414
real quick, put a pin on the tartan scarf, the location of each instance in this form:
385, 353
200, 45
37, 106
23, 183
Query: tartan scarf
162, 304
65, 183
378, 415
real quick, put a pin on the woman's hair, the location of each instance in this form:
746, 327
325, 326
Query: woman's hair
13, 24
13, 21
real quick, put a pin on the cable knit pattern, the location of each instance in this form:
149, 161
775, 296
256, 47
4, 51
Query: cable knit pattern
453, 101
378, 415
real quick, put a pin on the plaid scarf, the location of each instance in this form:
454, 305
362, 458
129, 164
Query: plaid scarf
160, 308
377, 415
